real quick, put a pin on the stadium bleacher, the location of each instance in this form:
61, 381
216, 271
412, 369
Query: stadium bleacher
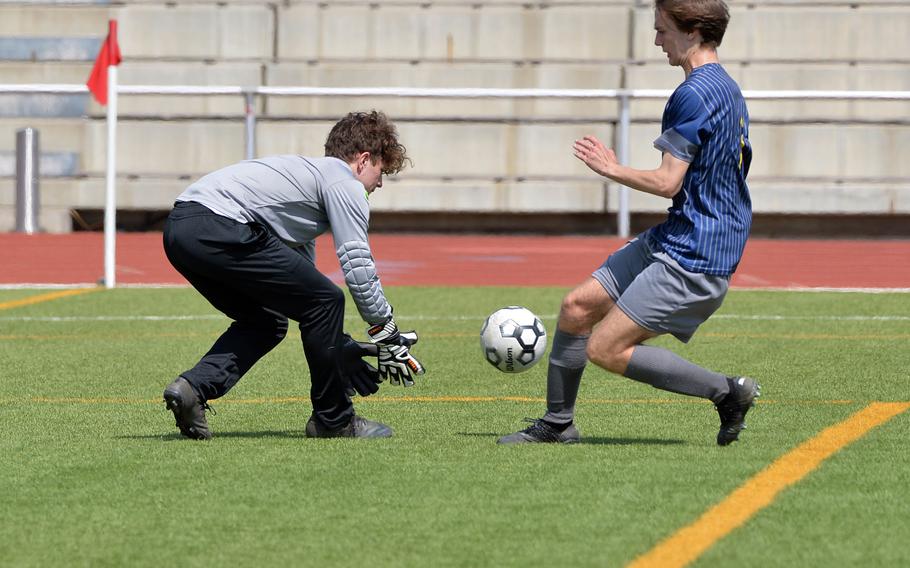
477, 157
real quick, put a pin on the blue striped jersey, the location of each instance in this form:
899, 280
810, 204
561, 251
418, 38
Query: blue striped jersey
706, 124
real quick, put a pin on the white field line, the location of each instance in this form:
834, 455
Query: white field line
53, 286
768, 317
823, 289
46, 286
747, 317
39, 286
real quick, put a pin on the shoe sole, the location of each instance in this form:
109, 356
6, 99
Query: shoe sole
528, 440
519, 442
354, 437
380, 431
375, 436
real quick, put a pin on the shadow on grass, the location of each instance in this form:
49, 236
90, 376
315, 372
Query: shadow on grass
264, 434
596, 440
590, 440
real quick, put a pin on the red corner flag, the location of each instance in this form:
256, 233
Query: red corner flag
109, 55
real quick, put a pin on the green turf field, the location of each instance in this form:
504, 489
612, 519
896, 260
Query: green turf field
93, 472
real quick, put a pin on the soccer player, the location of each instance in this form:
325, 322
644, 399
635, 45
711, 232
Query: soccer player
244, 237
672, 277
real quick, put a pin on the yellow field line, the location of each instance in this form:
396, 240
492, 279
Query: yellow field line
820, 336
46, 297
691, 541
106, 336
99, 336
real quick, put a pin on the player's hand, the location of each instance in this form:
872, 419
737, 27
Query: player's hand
359, 376
595, 155
395, 360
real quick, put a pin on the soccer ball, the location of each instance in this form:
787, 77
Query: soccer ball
513, 339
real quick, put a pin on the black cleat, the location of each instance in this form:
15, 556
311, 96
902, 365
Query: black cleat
189, 410
358, 427
541, 432
733, 408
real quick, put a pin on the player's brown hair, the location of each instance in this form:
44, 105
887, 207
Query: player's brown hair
709, 17
371, 132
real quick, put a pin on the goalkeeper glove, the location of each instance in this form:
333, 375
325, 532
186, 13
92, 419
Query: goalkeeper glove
358, 375
395, 360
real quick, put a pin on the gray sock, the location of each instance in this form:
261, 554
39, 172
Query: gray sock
567, 363
668, 371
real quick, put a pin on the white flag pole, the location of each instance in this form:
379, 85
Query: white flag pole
110, 196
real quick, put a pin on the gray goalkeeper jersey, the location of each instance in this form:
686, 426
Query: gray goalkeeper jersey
298, 199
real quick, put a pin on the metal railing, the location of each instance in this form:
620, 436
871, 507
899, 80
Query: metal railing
623, 96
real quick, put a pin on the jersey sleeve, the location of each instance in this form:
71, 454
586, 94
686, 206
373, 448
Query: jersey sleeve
349, 215
686, 124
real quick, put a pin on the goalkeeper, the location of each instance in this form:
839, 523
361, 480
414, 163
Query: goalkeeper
244, 237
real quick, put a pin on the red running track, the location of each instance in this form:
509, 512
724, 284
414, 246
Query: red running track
469, 260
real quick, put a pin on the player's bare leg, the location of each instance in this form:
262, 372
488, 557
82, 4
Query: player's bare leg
612, 344
617, 345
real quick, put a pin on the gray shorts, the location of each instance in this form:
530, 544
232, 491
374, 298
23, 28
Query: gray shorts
657, 293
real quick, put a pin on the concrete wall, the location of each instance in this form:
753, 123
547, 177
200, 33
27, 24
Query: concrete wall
469, 155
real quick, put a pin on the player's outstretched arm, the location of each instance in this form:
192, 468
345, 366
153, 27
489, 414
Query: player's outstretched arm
665, 181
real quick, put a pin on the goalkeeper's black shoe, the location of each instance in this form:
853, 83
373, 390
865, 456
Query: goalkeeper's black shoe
189, 410
733, 408
542, 432
358, 427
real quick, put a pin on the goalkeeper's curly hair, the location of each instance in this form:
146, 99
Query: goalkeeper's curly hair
371, 132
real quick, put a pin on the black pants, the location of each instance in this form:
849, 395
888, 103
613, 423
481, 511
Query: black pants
260, 283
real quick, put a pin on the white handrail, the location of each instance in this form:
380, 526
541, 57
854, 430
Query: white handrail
416, 92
